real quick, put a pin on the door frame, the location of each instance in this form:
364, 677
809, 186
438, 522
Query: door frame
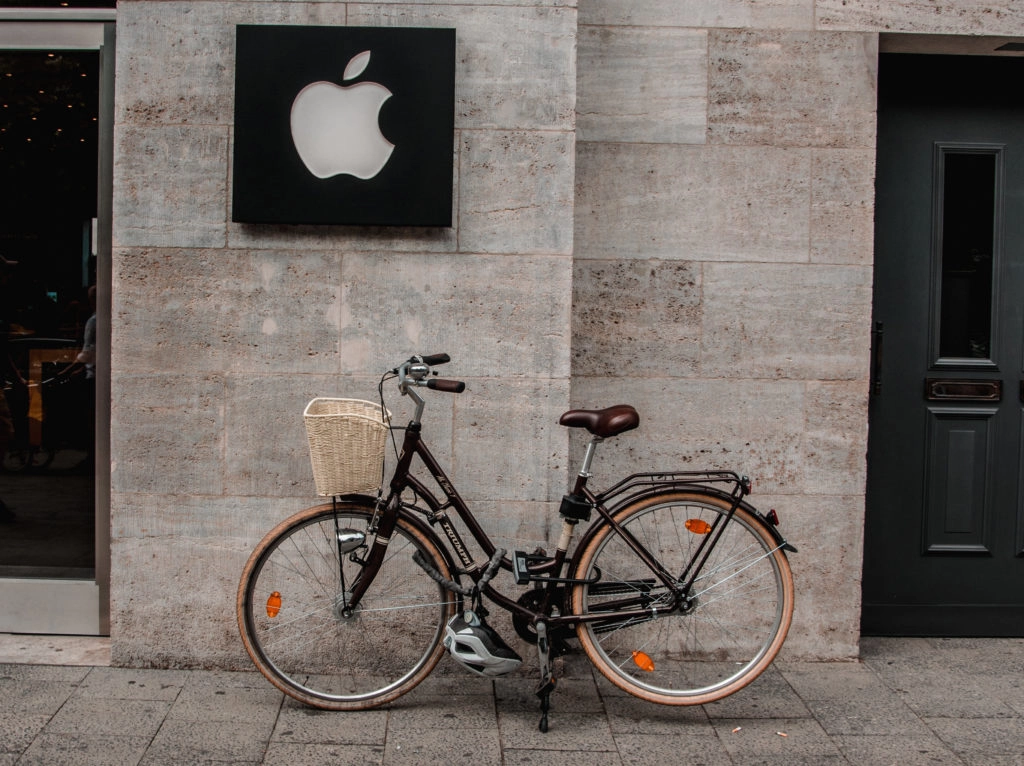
904, 620
54, 606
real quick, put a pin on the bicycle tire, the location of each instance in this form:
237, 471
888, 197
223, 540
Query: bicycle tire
308, 649
737, 624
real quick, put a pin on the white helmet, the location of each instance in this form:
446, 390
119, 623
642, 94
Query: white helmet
475, 645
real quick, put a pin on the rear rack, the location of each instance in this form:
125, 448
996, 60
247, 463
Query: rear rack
728, 482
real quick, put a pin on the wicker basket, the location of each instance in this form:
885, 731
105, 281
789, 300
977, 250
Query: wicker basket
346, 444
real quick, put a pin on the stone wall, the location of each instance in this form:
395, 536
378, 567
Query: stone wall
722, 279
223, 331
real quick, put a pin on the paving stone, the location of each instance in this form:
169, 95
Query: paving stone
768, 695
568, 731
427, 714
84, 716
288, 754
923, 749
202, 741
209, 702
631, 715
665, 748
132, 684
980, 736
300, 723
17, 730
448, 746
517, 757
85, 749
804, 738
866, 715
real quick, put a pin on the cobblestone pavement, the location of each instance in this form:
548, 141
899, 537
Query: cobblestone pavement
909, 701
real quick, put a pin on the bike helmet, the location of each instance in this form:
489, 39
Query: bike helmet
477, 647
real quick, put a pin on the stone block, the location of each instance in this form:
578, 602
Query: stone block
507, 440
959, 17
172, 604
266, 448
753, 96
636, 318
167, 434
835, 437
495, 315
642, 84
516, 192
842, 206
786, 321
172, 188
828, 532
693, 203
753, 427
220, 310
179, 56
516, 65
760, 14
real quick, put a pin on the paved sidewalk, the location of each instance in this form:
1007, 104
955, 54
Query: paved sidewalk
910, 701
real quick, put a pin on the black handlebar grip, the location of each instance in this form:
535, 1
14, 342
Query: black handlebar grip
451, 386
433, 359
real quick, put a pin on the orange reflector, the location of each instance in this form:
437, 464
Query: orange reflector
698, 526
273, 604
643, 662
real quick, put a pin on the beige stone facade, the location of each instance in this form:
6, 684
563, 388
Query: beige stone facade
659, 202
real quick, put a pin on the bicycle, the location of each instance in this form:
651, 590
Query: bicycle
679, 592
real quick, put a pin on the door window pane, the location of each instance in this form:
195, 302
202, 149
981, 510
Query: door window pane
48, 163
968, 216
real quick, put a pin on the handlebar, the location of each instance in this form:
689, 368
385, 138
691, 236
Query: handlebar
416, 371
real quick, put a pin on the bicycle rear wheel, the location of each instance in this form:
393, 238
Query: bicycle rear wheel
290, 616
734, 625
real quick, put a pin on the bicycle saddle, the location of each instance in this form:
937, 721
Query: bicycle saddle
610, 421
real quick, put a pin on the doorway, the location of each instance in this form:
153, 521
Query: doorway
55, 159
944, 526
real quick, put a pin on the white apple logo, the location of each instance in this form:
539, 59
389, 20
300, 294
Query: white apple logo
335, 129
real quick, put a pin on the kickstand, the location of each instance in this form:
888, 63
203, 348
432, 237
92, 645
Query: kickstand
547, 678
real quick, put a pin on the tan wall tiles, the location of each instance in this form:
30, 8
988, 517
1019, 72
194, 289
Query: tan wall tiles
642, 85
494, 314
754, 427
843, 206
171, 603
516, 192
515, 64
221, 310
693, 203
636, 317
170, 186
180, 56
828, 534
508, 445
794, 321
765, 14
955, 17
783, 88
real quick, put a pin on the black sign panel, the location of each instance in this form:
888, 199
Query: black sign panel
344, 125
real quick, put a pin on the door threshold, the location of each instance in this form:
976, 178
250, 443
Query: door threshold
29, 649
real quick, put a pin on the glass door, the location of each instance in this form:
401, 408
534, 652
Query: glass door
56, 81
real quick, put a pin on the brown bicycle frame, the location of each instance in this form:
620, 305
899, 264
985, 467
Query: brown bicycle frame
402, 479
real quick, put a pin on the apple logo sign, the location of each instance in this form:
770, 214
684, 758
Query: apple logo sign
343, 125
336, 129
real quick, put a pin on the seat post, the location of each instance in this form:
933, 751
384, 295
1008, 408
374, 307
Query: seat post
588, 458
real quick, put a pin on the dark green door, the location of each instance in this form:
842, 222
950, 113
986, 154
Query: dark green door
944, 533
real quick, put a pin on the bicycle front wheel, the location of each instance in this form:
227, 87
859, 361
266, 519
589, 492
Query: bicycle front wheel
730, 629
290, 610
